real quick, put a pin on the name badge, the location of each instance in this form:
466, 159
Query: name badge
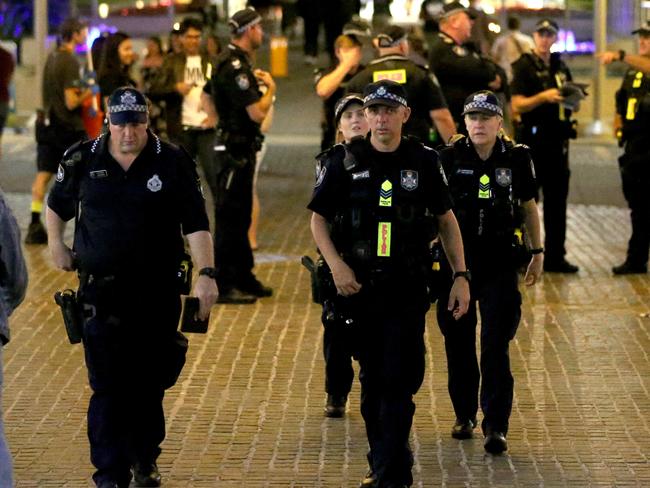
95, 175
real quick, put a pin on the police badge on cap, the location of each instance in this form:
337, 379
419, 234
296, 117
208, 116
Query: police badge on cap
484, 102
126, 105
384, 92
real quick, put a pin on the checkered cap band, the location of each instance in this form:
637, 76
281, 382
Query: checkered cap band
244, 19
481, 106
382, 94
113, 109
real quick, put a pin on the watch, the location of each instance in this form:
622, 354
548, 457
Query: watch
464, 274
538, 250
209, 272
621, 54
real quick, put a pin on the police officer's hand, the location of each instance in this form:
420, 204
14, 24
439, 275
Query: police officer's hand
61, 255
345, 280
608, 57
459, 298
552, 95
265, 78
495, 84
205, 289
534, 270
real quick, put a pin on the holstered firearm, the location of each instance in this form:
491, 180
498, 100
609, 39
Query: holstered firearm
73, 316
436, 275
322, 283
184, 274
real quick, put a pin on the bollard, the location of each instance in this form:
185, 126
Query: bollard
279, 57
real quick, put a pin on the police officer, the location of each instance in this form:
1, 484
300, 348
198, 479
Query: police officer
491, 182
350, 122
538, 79
382, 197
631, 126
459, 69
131, 196
428, 106
331, 83
241, 106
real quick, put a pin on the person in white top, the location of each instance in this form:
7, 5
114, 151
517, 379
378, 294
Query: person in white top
511, 45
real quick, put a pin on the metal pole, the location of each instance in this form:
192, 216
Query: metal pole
600, 38
40, 34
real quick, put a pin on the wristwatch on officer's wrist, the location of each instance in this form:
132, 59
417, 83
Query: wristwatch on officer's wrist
209, 272
537, 250
464, 274
621, 54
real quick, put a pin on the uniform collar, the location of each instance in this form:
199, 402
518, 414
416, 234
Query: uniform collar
444, 36
389, 57
238, 50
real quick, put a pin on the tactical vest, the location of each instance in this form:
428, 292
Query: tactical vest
385, 224
484, 204
633, 104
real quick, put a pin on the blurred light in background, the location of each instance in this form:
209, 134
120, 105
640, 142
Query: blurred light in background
103, 10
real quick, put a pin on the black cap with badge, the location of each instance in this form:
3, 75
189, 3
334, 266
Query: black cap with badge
643, 30
126, 105
243, 19
484, 102
384, 92
547, 25
391, 36
453, 8
344, 103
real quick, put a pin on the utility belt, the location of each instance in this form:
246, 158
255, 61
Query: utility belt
229, 139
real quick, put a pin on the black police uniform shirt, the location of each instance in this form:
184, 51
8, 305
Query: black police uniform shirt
422, 89
460, 70
487, 194
633, 105
233, 87
392, 182
530, 75
130, 222
330, 102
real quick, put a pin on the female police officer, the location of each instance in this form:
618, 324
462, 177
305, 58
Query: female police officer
490, 180
381, 195
137, 194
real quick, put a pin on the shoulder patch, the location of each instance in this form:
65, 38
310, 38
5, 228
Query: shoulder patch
235, 63
456, 138
242, 81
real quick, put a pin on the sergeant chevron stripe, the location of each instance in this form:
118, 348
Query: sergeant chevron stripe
386, 194
484, 187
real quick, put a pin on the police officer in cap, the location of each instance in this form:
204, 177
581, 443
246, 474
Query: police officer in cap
460, 70
492, 183
133, 197
243, 98
375, 206
631, 126
546, 127
428, 106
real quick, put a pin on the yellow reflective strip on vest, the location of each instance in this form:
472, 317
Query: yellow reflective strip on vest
637, 80
558, 80
397, 75
386, 194
383, 239
484, 187
631, 109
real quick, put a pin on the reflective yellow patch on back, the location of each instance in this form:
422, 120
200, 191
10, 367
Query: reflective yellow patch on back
383, 239
386, 194
630, 114
484, 187
397, 75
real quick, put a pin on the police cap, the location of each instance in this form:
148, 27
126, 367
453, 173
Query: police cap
547, 25
344, 103
643, 30
391, 36
453, 8
243, 19
126, 105
484, 102
384, 92
357, 28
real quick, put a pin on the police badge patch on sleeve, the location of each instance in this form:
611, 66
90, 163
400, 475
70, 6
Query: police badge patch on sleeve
321, 176
242, 81
60, 174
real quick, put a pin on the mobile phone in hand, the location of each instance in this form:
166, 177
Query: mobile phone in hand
190, 321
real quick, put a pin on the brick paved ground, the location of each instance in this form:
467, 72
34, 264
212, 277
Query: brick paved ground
247, 410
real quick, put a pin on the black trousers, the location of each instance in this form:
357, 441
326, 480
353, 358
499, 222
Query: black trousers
391, 356
338, 348
132, 356
635, 173
551, 159
232, 250
199, 143
499, 301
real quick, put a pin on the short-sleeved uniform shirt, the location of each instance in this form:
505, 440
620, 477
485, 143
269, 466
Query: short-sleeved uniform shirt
633, 105
530, 75
422, 89
332, 189
485, 192
460, 71
131, 222
234, 87
62, 71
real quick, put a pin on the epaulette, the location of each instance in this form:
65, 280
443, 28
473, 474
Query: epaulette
523, 146
74, 153
329, 152
455, 139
